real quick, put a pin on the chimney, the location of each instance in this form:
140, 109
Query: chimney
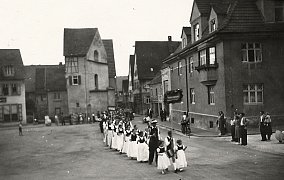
169, 38
60, 63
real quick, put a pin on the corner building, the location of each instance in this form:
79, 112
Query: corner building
233, 61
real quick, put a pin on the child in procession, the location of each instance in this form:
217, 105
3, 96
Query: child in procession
163, 160
143, 149
180, 156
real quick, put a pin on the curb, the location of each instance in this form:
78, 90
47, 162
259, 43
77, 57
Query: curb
191, 134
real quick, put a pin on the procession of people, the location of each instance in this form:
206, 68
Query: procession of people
143, 145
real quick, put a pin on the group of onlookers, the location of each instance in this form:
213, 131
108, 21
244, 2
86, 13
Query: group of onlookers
239, 125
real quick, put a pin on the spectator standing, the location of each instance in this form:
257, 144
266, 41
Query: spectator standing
20, 128
221, 122
183, 123
233, 126
62, 119
268, 127
262, 128
237, 128
243, 129
162, 114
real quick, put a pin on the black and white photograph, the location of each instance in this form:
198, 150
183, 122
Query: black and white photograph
142, 89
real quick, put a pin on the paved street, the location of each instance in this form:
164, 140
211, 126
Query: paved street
77, 152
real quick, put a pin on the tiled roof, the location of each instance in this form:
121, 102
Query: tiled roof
244, 17
157, 79
42, 78
204, 6
110, 57
187, 30
119, 80
11, 57
149, 56
78, 41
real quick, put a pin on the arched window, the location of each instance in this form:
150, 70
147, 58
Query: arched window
96, 55
96, 82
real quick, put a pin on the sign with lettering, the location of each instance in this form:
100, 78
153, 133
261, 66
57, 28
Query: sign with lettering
173, 96
111, 108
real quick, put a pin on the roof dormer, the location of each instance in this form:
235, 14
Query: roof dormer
185, 36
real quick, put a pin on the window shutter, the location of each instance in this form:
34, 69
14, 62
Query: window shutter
70, 80
79, 79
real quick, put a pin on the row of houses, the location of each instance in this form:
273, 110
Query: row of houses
230, 58
84, 84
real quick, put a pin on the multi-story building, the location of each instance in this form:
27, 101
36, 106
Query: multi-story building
232, 63
87, 71
12, 86
156, 94
148, 61
46, 92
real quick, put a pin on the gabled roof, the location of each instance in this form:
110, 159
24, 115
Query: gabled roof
149, 56
12, 57
42, 78
186, 30
78, 41
108, 44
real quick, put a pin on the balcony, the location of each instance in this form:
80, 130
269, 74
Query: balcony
208, 74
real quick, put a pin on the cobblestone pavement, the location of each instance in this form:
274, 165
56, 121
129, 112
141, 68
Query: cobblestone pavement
77, 152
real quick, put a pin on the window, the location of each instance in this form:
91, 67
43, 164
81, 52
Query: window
72, 65
212, 55
179, 68
15, 89
212, 25
96, 55
279, 11
211, 95
191, 67
9, 70
184, 43
147, 100
196, 32
156, 92
166, 86
75, 80
5, 89
151, 69
192, 95
96, 81
57, 95
202, 57
77, 104
253, 93
251, 52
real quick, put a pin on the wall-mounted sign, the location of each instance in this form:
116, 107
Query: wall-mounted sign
111, 108
173, 96
3, 100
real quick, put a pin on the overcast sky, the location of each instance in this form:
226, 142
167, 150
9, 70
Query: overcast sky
36, 26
